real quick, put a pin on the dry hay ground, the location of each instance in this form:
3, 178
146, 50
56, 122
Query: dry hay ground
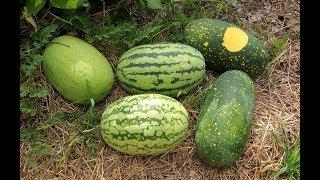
278, 98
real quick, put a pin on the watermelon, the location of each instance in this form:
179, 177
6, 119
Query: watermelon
144, 124
161, 68
227, 47
77, 70
225, 119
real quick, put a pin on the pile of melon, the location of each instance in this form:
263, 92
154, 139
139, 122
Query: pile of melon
152, 121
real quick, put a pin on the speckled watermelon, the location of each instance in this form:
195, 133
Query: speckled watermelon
225, 120
162, 68
227, 47
145, 124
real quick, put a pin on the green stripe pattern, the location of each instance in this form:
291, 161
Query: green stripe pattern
225, 120
162, 68
144, 124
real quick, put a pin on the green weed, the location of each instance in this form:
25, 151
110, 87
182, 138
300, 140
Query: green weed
278, 46
197, 98
38, 148
291, 163
87, 132
31, 93
57, 117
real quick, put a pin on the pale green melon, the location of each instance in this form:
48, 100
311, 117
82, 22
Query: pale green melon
77, 70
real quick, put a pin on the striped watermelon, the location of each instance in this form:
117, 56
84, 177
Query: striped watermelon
161, 68
144, 124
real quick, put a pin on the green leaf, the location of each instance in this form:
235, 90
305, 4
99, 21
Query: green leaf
57, 117
141, 5
33, 62
291, 163
41, 38
33, 163
279, 45
278, 173
42, 149
39, 92
67, 4
146, 34
81, 22
154, 4
182, 20
28, 69
197, 98
86, 4
36, 58
224, 6
234, 3
29, 134
92, 145
34, 6
24, 90
115, 35
179, 37
109, 32
27, 108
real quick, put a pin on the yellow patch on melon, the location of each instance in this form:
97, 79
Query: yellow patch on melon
234, 39
205, 44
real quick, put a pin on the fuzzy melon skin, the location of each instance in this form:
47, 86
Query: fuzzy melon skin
225, 120
77, 70
207, 35
162, 68
144, 124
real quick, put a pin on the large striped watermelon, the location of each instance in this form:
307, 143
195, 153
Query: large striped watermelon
144, 124
162, 68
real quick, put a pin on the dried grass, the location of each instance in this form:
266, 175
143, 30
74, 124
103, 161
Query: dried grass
277, 97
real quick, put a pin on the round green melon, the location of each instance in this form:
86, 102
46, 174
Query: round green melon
77, 70
162, 68
145, 124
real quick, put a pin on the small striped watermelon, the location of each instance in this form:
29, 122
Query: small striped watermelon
161, 68
144, 124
